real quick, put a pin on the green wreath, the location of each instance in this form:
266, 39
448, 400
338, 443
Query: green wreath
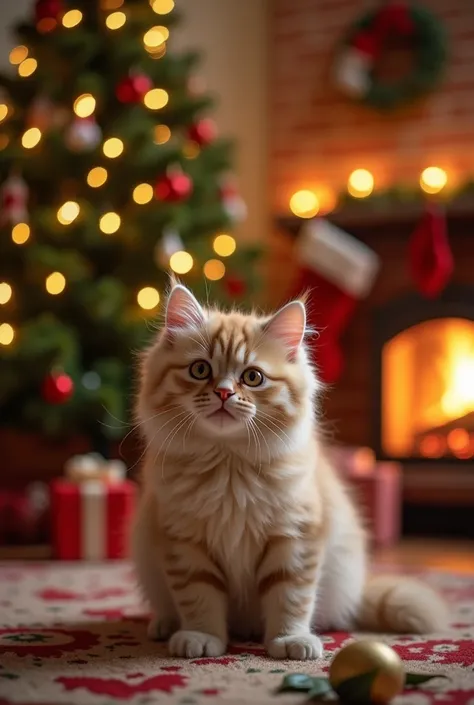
366, 40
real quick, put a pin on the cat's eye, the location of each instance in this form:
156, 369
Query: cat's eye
200, 369
252, 377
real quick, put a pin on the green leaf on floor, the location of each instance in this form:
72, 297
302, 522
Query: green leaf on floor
253, 670
419, 678
321, 686
358, 688
298, 682
9, 676
278, 670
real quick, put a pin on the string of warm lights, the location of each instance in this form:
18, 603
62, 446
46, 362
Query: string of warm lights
113, 147
5, 293
71, 19
84, 105
360, 184
55, 283
68, 212
6, 334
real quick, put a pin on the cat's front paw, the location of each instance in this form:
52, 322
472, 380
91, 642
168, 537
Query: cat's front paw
161, 628
194, 644
300, 647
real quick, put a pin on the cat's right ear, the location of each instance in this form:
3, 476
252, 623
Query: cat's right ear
183, 310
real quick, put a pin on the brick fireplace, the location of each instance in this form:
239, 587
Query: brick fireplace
407, 387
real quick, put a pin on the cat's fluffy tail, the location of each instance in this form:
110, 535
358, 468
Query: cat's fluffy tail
402, 605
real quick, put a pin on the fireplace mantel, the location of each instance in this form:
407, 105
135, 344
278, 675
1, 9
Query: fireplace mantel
366, 217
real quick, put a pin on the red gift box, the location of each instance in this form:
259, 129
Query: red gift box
378, 493
91, 519
377, 490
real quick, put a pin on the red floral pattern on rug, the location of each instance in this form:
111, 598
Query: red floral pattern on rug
76, 634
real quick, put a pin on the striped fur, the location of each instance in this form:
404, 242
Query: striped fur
243, 525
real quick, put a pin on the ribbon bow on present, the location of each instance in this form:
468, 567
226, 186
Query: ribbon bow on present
92, 466
393, 17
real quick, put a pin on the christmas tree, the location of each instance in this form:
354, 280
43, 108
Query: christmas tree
111, 175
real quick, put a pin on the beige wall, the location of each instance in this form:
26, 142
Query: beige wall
232, 36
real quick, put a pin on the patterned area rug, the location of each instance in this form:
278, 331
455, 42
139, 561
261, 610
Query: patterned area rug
76, 634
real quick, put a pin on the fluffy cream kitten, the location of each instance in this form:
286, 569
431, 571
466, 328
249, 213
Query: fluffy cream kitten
244, 527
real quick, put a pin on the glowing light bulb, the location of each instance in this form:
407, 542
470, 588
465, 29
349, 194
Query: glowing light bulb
3, 111
161, 134
181, 262
71, 18
97, 176
27, 67
5, 292
18, 54
116, 20
6, 334
55, 283
433, 179
162, 7
191, 150
31, 138
84, 105
360, 183
304, 204
224, 245
20, 233
68, 212
113, 147
157, 53
148, 297
109, 223
214, 269
143, 193
156, 98
155, 37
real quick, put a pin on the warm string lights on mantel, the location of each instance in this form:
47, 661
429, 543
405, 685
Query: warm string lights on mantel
307, 203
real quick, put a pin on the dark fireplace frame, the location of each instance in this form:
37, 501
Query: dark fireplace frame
456, 301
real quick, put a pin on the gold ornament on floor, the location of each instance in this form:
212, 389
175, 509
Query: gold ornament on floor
367, 671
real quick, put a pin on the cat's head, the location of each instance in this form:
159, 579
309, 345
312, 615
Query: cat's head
226, 376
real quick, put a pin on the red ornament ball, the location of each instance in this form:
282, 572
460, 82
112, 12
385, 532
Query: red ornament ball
132, 88
203, 132
235, 286
57, 388
173, 188
48, 9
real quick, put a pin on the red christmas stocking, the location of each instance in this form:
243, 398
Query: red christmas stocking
338, 270
430, 256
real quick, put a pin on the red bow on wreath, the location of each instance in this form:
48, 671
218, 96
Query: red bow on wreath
393, 17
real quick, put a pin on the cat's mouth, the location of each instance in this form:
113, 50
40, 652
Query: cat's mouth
221, 414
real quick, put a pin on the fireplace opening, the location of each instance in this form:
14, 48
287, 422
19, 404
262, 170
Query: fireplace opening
428, 391
424, 373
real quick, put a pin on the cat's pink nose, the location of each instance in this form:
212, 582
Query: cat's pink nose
224, 392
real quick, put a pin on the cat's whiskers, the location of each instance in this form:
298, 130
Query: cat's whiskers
172, 433
274, 432
136, 426
272, 420
152, 440
259, 430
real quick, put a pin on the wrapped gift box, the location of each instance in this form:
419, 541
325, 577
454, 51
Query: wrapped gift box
377, 489
91, 513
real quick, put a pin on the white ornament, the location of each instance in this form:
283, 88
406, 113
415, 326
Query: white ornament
83, 135
170, 243
352, 72
235, 208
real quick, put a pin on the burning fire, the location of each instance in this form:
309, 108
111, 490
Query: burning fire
428, 390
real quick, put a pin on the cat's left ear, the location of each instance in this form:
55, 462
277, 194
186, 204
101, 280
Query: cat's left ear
288, 326
183, 310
